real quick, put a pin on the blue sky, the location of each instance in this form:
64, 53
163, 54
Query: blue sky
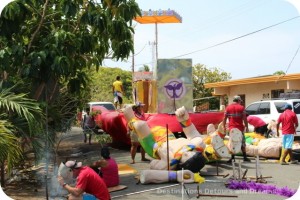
209, 22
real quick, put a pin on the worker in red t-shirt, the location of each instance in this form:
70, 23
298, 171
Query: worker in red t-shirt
88, 183
236, 115
260, 126
289, 122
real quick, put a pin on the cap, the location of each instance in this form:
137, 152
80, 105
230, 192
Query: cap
288, 106
237, 98
138, 104
73, 164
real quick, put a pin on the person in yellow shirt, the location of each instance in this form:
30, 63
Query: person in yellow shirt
118, 92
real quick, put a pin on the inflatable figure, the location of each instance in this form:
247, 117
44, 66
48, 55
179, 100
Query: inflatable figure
181, 153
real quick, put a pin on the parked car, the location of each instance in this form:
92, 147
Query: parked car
269, 110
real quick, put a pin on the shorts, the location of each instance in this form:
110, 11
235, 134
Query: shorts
87, 196
118, 97
287, 141
133, 137
120, 100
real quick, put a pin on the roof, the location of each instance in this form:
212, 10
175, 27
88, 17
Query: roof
260, 79
159, 16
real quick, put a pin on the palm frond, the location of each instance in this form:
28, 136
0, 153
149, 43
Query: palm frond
10, 149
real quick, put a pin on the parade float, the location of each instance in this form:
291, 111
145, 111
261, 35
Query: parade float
172, 88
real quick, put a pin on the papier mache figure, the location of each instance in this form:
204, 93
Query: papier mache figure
217, 140
183, 152
214, 150
187, 153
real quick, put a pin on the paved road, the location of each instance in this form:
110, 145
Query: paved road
282, 176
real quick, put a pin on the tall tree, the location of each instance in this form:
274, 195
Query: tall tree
49, 41
49, 45
201, 75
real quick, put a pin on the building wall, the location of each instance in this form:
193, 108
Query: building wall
256, 92
293, 85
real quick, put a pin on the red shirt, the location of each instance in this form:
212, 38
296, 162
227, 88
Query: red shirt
110, 173
90, 182
255, 121
235, 113
288, 119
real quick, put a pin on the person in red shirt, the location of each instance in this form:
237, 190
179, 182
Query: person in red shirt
107, 168
259, 125
88, 183
236, 115
289, 122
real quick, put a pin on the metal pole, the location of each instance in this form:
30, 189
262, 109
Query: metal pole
156, 51
168, 160
132, 68
156, 41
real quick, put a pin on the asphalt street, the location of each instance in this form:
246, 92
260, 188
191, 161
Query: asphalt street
214, 186
215, 174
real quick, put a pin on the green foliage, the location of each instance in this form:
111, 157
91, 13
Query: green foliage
49, 42
279, 73
103, 138
49, 48
202, 75
94, 113
10, 149
101, 81
145, 68
21, 121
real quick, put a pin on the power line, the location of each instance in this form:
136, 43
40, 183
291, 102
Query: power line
292, 59
225, 16
231, 40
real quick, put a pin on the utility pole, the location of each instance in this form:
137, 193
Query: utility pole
153, 44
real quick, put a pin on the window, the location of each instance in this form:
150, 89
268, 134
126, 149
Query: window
264, 108
280, 106
296, 107
276, 93
105, 105
258, 109
252, 109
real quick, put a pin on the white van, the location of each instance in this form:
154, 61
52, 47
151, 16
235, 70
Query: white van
270, 109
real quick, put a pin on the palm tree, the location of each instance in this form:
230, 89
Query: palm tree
10, 151
20, 120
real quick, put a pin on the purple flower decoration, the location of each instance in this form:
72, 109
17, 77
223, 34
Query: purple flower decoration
259, 187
